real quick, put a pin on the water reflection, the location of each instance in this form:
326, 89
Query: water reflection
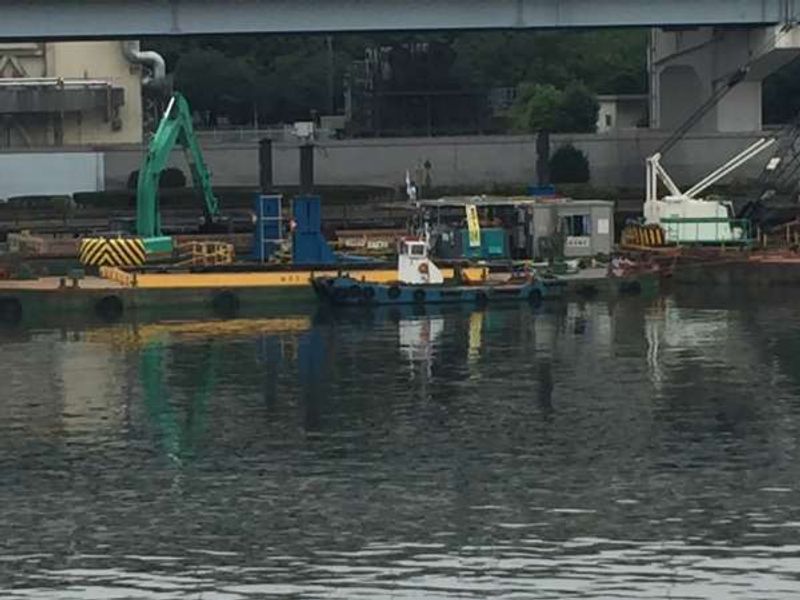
636, 449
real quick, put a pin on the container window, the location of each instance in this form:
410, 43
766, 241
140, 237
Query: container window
578, 225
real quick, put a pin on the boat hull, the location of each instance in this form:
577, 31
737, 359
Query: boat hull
346, 291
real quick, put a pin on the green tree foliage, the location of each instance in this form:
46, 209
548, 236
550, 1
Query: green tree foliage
282, 78
578, 110
274, 79
569, 165
216, 84
539, 107
536, 107
607, 62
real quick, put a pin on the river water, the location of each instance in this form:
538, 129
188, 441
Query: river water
646, 448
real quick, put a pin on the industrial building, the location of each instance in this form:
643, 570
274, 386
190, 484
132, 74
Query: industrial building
407, 89
56, 94
618, 112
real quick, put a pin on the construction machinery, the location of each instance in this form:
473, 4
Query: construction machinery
777, 199
684, 216
175, 129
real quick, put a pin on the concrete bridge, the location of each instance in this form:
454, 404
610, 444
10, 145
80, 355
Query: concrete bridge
695, 47
65, 19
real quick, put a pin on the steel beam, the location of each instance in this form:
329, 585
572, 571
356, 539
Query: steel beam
27, 100
63, 19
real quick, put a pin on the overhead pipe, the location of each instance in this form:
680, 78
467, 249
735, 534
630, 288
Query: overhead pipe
153, 60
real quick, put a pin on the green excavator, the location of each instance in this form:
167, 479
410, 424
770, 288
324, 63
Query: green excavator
174, 129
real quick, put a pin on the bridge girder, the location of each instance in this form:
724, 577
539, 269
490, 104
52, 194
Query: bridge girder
84, 19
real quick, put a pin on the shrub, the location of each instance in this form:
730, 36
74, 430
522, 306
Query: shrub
569, 165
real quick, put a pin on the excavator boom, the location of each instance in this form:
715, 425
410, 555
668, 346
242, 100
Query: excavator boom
175, 128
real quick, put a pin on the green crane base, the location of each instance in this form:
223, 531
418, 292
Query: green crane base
158, 245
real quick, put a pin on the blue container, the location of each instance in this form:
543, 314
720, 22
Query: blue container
268, 228
494, 244
541, 190
309, 247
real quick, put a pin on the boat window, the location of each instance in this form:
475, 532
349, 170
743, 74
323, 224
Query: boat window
417, 249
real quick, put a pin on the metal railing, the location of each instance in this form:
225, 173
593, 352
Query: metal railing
116, 274
707, 230
249, 135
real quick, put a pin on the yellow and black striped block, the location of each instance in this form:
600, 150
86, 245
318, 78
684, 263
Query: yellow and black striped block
648, 236
113, 252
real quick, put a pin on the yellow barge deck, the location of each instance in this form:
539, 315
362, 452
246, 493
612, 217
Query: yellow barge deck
169, 294
248, 279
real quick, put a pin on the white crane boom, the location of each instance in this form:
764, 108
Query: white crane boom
730, 166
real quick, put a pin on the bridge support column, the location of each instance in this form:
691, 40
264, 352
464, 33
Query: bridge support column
688, 66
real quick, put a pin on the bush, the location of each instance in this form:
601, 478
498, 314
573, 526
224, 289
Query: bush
569, 165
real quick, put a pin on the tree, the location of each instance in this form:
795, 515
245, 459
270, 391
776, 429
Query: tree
577, 112
216, 84
536, 107
569, 165
608, 62
281, 78
544, 107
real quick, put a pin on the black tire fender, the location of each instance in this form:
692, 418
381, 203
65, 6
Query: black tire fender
109, 308
419, 296
10, 310
225, 304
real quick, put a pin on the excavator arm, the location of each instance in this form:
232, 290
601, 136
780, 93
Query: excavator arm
175, 128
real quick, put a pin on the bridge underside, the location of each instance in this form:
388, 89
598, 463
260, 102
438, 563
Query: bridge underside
689, 66
64, 19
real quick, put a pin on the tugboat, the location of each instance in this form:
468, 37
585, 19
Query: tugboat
420, 281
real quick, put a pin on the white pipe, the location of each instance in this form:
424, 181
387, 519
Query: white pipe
733, 164
153, 60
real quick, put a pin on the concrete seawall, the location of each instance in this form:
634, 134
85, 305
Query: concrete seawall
616, 160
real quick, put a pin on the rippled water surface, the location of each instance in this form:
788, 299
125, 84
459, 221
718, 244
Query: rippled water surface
639, 449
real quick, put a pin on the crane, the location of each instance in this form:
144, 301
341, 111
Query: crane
174, 129
684, 216
778, 185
